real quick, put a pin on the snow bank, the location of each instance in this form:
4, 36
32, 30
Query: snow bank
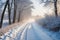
50, 21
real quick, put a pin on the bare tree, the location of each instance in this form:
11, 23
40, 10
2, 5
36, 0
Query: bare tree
55, 6
2, 16
19, 16
51, 1
9, 12
15, 8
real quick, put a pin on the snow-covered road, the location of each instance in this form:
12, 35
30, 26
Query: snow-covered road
30, 31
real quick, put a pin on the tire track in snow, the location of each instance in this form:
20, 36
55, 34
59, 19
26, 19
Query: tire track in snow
40, 33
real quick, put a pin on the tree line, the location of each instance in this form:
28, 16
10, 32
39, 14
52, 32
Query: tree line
15, 9
9, 12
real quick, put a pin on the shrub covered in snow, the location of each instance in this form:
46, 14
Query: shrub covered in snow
50, 21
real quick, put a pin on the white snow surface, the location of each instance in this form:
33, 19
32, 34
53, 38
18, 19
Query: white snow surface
30, 31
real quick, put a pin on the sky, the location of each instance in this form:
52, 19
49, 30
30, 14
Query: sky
39, 9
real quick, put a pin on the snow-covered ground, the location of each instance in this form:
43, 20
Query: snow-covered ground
5, 23
23, 5
30, 31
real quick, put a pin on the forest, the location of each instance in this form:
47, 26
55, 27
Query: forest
29, 19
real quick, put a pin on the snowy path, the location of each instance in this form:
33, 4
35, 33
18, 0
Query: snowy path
41, 35
30, 31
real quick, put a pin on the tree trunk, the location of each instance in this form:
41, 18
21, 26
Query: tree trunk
9, 12
3, 14
55, 6
15, 8
19, 16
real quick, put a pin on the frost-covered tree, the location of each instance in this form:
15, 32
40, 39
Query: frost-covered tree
51, 1
23, 5
7, 3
